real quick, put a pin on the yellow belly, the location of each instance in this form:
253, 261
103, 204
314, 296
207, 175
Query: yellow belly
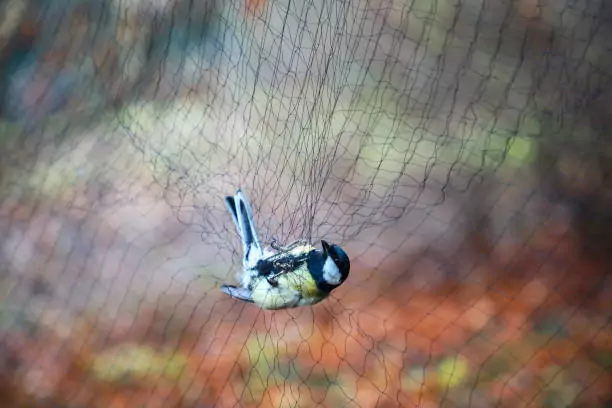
294, 289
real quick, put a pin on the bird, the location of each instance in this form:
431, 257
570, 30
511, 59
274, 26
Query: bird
282, 277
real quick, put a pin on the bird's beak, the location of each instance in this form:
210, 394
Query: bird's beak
325, 246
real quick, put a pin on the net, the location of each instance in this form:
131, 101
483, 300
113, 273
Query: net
457, 150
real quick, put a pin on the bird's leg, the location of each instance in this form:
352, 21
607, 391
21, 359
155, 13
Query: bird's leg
276, 246
283, 267
272, 279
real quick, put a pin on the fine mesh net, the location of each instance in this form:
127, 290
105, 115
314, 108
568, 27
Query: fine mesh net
457, 150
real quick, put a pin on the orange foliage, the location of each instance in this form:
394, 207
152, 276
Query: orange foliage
383, 353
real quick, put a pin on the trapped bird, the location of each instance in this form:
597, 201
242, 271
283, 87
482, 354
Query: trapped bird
286, 276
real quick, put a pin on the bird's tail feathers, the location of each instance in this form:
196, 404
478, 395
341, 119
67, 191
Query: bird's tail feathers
242, 215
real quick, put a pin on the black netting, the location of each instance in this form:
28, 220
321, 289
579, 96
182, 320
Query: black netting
457, 150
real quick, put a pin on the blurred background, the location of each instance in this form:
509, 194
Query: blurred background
459, 150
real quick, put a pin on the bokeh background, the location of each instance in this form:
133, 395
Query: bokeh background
459, 150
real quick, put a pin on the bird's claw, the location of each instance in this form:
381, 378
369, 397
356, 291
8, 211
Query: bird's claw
275, 244
282, 248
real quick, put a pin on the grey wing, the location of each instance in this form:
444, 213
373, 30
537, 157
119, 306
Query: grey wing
242, 216
238, 292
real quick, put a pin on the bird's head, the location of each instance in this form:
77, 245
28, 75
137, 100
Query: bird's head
336, 266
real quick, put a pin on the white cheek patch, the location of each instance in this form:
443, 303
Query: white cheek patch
331, 273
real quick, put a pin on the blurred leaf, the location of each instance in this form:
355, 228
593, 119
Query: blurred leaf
562, 397
452, 371
9, 132
494, 368
17, 319
319, 380
520, 149
261, 353
289, 371
552, 326
559, 391
132, 361
554, 376
414, 379
283, 396
604, 359
262, 366
467, 396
